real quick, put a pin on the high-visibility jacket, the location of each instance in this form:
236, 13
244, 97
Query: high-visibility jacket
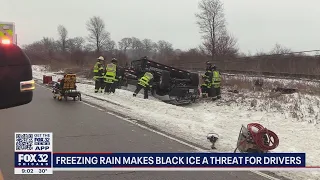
207, 78
96, 67
111, 72
216, 79
145, 79
98, 70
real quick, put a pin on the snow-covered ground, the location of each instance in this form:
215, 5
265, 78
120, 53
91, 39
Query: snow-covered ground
302, 85
272, 80
295, 119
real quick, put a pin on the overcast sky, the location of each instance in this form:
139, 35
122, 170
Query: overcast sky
257, 24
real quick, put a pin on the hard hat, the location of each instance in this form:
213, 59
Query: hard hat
101, 58
214, 66
208, 63
114, 60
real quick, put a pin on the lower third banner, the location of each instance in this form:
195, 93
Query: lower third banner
165, 161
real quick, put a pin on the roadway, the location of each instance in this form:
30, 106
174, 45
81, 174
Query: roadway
78, 127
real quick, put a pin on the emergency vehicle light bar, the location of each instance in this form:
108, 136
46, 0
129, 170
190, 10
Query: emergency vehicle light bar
5, 41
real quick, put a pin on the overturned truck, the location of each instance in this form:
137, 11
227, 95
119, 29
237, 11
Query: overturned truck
171, 85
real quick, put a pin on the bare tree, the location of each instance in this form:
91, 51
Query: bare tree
50, 45
37, 52
111, 46
211, 22
98, 36
149, 47
137, 47
226, 45
279, 49
63, 35
165, 51
124, 44
75, 44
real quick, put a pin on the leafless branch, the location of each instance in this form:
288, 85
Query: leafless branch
63, 35
98, 36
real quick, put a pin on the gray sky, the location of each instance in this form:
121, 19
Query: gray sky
257, 24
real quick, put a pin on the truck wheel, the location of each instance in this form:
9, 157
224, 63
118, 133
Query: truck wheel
194, 79
165, 80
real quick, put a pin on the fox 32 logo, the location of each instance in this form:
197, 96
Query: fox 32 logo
33, 159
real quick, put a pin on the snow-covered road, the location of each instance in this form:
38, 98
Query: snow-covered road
295, 119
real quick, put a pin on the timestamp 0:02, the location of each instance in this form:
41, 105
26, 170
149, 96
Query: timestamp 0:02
34, 171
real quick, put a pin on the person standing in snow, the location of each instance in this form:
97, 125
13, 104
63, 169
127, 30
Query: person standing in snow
207, 77
111, 76
216, 82
145, 83
98, 72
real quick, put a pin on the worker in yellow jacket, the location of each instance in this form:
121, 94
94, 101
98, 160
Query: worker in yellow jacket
145, 83
98, 75
216, 83
110, 77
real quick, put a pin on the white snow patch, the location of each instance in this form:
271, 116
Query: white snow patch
293, 117
281, 82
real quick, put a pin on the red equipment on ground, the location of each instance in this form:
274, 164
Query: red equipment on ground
256, 139
47, 79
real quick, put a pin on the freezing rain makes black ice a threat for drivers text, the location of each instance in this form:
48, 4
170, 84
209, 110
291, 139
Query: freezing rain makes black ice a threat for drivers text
193, 160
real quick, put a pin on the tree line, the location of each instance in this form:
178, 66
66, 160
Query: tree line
218, 46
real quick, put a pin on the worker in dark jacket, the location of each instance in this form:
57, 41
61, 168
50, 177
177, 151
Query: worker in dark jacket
207, 77
216, 84
111, 76
145, 83
98, 71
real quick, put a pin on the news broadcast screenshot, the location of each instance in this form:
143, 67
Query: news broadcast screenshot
160, 90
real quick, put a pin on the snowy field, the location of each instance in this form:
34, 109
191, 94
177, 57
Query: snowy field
295, 119
273, 81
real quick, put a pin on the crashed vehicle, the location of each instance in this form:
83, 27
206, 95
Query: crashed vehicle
171, 85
